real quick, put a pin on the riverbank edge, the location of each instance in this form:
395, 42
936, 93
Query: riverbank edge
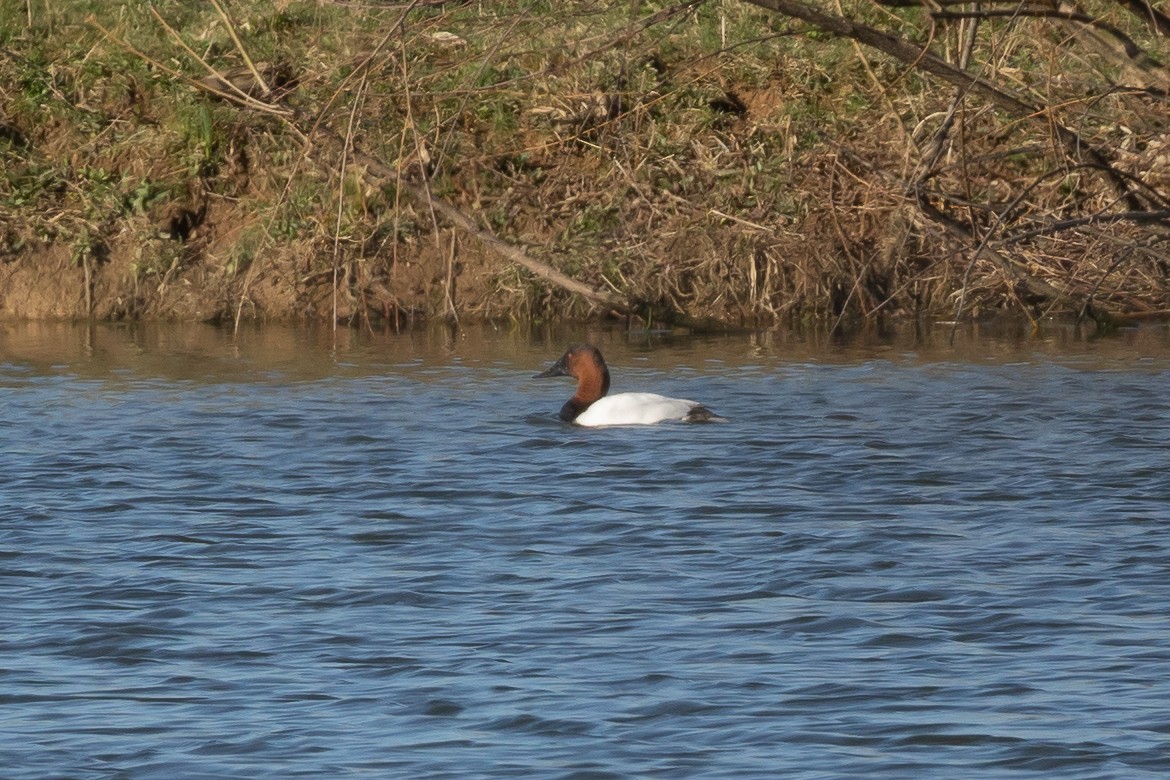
738, 195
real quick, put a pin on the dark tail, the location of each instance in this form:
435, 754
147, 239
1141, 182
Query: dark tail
701, 413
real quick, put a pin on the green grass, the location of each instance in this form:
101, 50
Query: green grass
529, 118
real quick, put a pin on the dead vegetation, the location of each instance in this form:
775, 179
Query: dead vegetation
717, 162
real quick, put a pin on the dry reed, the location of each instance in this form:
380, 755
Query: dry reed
701, 162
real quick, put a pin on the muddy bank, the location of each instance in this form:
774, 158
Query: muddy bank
195, 281
710, 164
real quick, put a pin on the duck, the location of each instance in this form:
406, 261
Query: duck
591, 407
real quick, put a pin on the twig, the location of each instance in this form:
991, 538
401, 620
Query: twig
449, 287
231, 28
741, 221
240, 99
347, 146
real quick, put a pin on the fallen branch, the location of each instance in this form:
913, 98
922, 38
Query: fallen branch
1136, 217
923, 59
1103, 38
422, 196
1150, 16
1127, 44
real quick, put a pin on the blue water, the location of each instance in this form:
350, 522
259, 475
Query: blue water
288, 558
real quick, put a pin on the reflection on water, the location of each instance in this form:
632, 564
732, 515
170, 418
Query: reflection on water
300, 552
191, 351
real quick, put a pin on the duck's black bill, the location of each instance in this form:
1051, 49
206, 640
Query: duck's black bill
556, 369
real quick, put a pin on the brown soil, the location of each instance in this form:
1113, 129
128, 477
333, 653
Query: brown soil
673, 182
46, 281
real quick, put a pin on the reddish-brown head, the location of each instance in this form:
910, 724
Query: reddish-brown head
584, 363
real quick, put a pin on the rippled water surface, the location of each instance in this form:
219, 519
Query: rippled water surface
385, 557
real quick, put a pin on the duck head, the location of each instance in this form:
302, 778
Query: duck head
584, 363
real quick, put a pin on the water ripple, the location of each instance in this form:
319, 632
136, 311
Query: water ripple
878, 568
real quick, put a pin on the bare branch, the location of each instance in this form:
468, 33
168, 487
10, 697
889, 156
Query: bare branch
923, 59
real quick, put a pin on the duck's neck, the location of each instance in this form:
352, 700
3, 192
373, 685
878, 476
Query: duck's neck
590, 387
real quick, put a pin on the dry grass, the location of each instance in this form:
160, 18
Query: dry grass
702, 162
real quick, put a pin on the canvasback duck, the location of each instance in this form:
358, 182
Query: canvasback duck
590, 406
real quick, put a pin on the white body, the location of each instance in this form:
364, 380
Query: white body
634, 409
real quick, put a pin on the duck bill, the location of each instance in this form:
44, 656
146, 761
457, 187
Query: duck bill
556, 369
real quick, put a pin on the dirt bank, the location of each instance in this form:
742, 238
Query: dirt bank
704, 163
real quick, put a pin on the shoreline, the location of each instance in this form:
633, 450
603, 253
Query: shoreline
763, 180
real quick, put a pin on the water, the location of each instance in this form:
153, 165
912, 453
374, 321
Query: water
386, 558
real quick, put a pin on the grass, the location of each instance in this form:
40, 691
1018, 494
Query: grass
729, 164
